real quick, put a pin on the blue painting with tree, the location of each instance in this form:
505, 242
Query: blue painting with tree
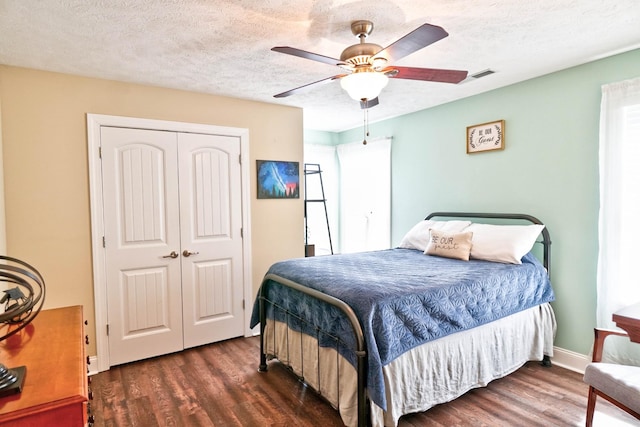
278, 179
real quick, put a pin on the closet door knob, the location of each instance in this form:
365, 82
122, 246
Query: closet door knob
188, 253
173, 254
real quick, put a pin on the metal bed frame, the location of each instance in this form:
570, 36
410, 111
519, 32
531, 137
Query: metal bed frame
361, 350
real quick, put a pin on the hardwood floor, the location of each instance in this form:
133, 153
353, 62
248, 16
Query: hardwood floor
219, 385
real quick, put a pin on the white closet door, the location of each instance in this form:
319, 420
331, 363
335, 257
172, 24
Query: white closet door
141, 217
211, 225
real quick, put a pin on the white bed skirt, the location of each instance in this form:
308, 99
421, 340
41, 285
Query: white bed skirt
433, 373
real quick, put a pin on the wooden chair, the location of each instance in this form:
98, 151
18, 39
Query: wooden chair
619, 384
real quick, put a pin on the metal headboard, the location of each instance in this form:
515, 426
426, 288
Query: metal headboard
546, 239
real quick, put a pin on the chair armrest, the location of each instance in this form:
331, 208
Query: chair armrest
598, 342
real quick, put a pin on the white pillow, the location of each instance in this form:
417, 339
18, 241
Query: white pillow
449, 245
503, 243
418, 236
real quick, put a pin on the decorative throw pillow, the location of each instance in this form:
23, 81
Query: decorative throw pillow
457, 246
503, 243
418, 236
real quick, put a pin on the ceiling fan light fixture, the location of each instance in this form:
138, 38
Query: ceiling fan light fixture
364, 84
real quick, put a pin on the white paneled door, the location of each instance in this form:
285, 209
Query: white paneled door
173, 244
210, 224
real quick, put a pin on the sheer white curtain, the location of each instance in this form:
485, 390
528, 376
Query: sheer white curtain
619, 234
316, 231
365, 195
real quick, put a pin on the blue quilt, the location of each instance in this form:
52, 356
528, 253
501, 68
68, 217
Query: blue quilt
403, 299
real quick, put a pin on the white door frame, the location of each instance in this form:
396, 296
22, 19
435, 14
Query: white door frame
94, 122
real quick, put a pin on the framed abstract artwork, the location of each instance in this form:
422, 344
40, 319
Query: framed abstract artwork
278, 179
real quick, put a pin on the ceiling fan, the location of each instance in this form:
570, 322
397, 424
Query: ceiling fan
366, 65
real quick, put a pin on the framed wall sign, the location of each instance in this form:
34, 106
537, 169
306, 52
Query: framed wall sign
278, 179
485, 137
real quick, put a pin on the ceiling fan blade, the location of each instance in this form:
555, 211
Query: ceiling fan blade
422, 36
307, 55
426, 74
308, 86
368, 103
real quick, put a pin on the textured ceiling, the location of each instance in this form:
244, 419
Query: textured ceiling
223, 47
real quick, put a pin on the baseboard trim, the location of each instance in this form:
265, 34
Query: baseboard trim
564, 358
570, 360
93, 365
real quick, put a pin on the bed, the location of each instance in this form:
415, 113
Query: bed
460, 302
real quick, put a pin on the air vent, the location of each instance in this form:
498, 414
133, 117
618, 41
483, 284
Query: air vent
480, 74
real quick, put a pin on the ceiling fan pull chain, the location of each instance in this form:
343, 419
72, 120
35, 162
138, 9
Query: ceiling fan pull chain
367, 113
365, 126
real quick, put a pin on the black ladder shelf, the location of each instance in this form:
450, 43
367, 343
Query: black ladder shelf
314, 169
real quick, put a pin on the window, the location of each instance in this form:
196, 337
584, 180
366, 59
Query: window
317, 232
365, 195
619, 233
357, 184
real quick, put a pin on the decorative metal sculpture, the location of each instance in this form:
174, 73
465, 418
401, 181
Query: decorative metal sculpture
22, 303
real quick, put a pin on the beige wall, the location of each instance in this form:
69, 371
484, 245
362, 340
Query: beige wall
44, 140
3, 232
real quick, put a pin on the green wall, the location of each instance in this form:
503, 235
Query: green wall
549, 169
321, 138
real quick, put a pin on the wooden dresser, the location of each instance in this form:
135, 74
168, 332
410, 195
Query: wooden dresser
55, 388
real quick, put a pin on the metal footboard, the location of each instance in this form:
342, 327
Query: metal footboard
361, 352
